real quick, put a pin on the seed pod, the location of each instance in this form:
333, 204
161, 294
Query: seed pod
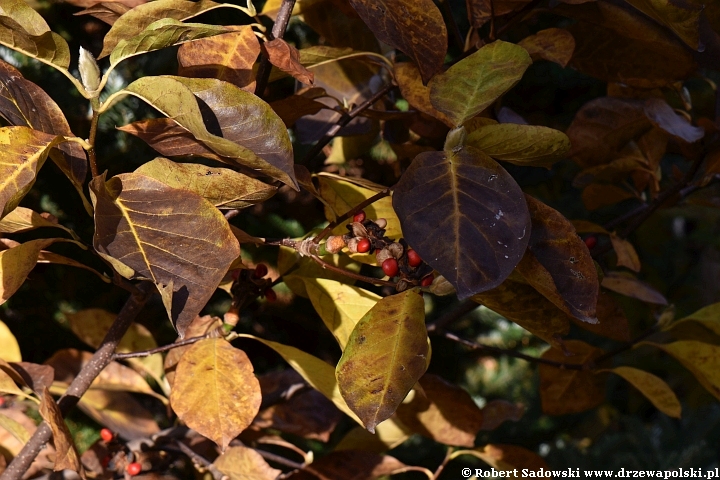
441, 286
334, 244
383, 255
402, 285
381, 222
359, 229
352, 244
396, 250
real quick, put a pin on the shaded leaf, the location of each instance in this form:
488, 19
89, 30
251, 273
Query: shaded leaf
596, 196
475, 82
66, 454
558, 264
702, 359
447, 414
708, 316
522, 304
9, 348
253, 135
663, 116
149, 230
8, 383
385, 356
23, 219
603, 126
229, 57
16, 263
626, 254
565, 391
612, 322
52, 257
411, 86
477, 210
524, 145
681, 18
497, 412
287, 58
215, 391
242, 463
614, 172
290, 109
120, 412
24, 153
415, 27
388, 435
479, 12
35, 377
507, 457
351, 465
632, 287
654, 389
340, 306
222, 187
552, 44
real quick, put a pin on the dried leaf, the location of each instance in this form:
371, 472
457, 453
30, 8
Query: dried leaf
242, 463
654, 389
66, 454
168, 235
385, 355
552, 44
478, 211
287, 58
626, 254
524, 145
632, 287
290, 109
215, 391
475, 82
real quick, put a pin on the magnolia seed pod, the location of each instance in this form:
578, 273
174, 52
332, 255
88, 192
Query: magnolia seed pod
89, 71
441, 287
334, 244
396, 250
352, 244
381, 222
383, 255
402, 285
359, 230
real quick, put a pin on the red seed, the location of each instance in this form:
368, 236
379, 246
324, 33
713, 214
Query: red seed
359, 217
133, 469
270, 295
107, 435
591, 242
260, 270
413, 258
363, 245
427, 281
390, 267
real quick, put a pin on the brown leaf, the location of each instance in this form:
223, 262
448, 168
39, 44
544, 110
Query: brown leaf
612, 322
552, 44
507, 458
108, 12
565, 391
287, 58
558, 264
663, 116
632, 287
626, 254
349, 465
242, 463
497, 412
614, 172
603, 127
290, 109
36, 377
229, 57
66, 454
417, 94
339, 25
415, 27
479, 12
445, 413
598, 195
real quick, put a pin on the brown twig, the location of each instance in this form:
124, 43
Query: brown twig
199, 459
278, 31
459, 311
446, 460
369, 201
91, 140
348, 273
164, 348
343, 121
100, 359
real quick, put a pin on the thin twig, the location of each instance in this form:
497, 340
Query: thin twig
517, 17
628, 345
350, 213
279, 460
100, 359
199, 459
459, 311
278, 31
441, 467
343, 121
164, 348
91, 140
348, 273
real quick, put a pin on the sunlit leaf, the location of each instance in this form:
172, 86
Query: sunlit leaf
227, 57
24, 153
465, 216
558, 264
702, 359
384, 357
388, 435
9, 348
287, 58
198, 327
66, 454
242, 463
564, 391
16, 263
654, 389
168, 235
23, 219
307, 268
475, 82
524, 145
553, 44
222, 187
120, 412
215, 391
507, 458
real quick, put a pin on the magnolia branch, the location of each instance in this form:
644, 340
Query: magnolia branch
350, 213
278, 31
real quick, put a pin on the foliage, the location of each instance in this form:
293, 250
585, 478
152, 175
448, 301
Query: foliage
496, 238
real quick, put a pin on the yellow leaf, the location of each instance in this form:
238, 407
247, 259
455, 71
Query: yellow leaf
626, 254
9, 348
242, 463
66, 454
16, 263
654, 389
702, 359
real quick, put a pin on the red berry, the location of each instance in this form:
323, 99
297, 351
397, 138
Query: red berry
413, 258
2, 402
590, 242
359, 217
260, 270
133, 469
363, 246
390, 267
426, 281
270, 295
107, 435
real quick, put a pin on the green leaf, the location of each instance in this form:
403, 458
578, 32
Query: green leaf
215, 391
24, 30
465, 216
171, 236
161, 34
24, 153
415, 27
524, 145
222, 187
474, 83
385, 356
253, 136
